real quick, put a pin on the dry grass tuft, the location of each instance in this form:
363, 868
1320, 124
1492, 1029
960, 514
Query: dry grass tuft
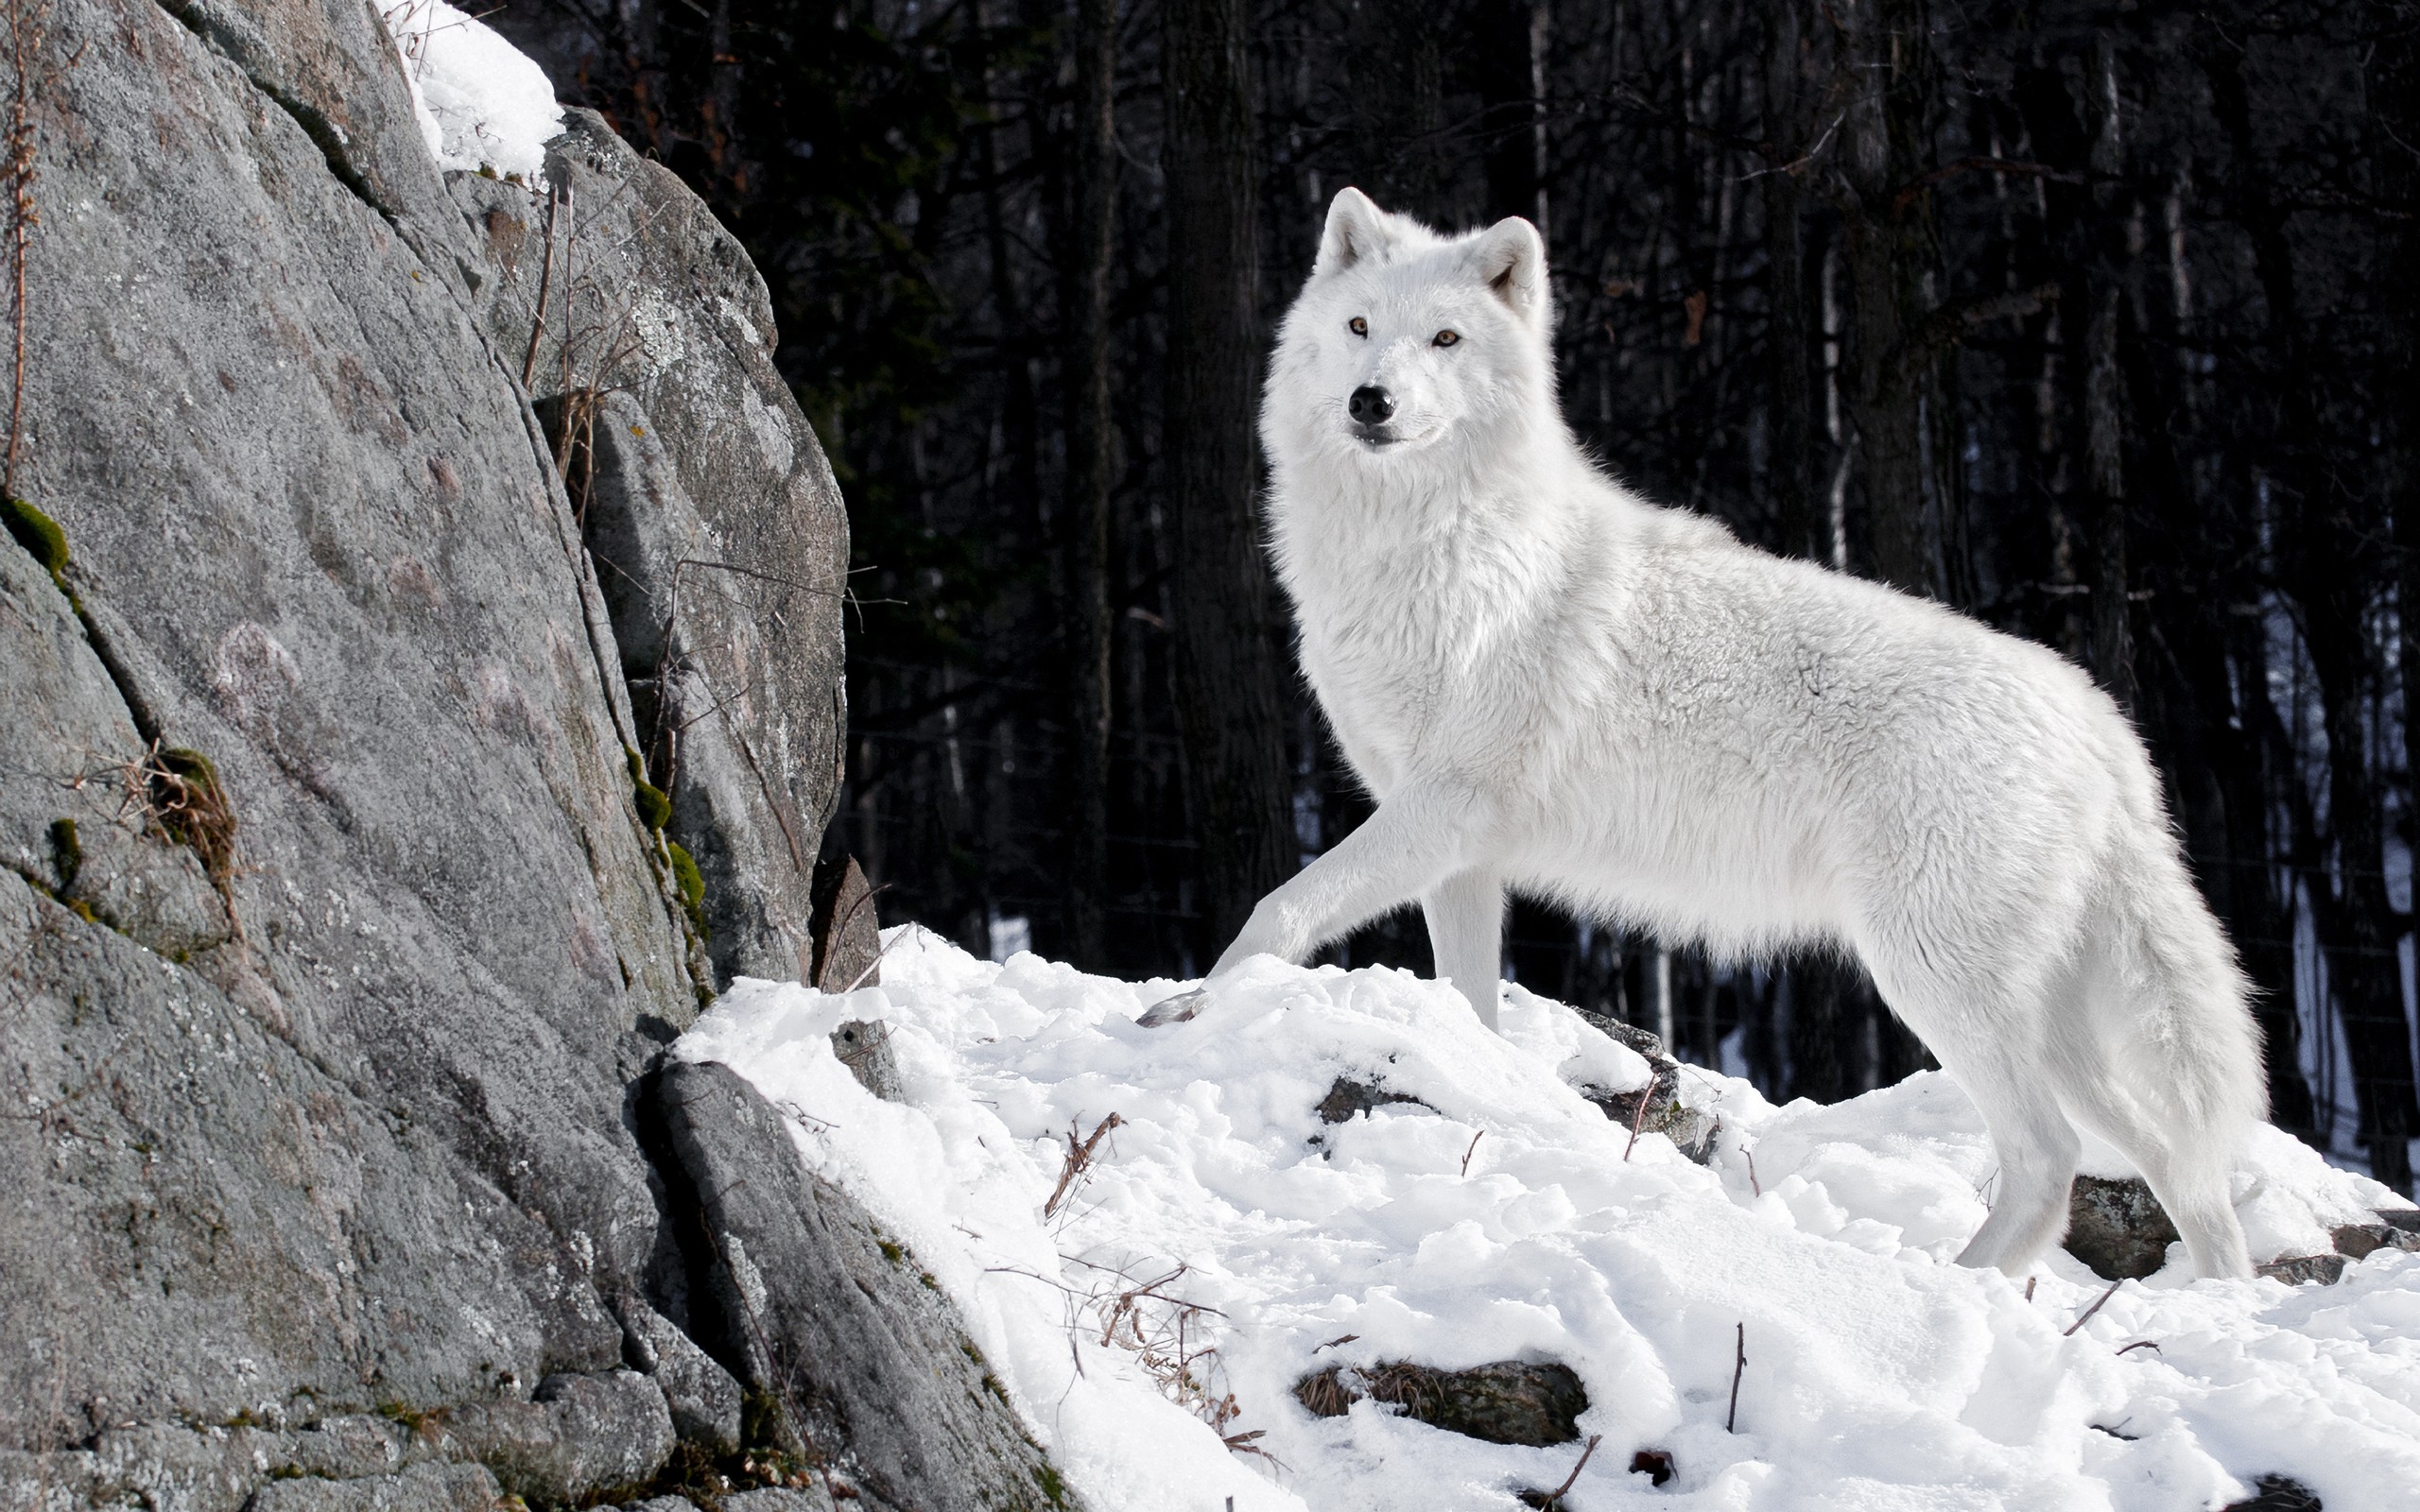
1166, 1335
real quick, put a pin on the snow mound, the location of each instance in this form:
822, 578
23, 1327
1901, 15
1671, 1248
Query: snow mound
481, 103
1497, 1218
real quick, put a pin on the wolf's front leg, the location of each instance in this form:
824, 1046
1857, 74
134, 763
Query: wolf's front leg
1416, 839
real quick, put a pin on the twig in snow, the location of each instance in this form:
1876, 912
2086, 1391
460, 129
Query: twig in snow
2142, 1344
790, 1107
2029, 1288
1754, 1185
1467, 1154
1554, 1498
2094, 1308
1079, 1159
1341, 1338
1738, 1367
1639, 1118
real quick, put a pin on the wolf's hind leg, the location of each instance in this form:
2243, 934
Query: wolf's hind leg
1465, 915
2037, 1149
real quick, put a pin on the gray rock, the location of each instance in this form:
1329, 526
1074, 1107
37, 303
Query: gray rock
704, 1398
864, 1046
857, 1353
2301, 1269
578, 1435
1656, 1108
209, 1469
719, 530
1645, 1041
316, 540
846, 927
351, 1446
322, 1115
1510, 1401
207, 1227
76, 812
848, 956
780, 1499
422, 1488
328, 65
2395, 1228
1349, 1096
321, 1146
2117, 1228
2278, 1493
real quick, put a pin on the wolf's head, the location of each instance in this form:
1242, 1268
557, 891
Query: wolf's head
1405, 340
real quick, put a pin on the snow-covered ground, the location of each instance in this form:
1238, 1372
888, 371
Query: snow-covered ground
481, 102
1502, 1221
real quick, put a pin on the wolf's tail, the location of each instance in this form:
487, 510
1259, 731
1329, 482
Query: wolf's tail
2192, 1033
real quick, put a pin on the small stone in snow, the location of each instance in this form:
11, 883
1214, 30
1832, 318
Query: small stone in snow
1511, 1401
2278, 1493
2325, 1269
1348, 1097
2117, 1228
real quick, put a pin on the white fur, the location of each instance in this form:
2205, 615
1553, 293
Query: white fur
1554, 687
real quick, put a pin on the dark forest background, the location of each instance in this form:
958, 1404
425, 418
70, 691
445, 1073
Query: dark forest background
2096, 321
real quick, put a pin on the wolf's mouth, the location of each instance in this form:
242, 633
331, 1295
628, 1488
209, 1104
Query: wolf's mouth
1382, 438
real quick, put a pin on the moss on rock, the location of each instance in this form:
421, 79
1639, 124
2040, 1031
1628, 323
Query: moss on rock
692, 884
39, 534
655, 808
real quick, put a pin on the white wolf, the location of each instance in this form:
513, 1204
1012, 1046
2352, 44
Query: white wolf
1552, 686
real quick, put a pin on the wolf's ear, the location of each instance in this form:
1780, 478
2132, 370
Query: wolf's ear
1512, 262
1355, 230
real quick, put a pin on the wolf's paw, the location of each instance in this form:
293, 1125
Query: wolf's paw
1176, 1009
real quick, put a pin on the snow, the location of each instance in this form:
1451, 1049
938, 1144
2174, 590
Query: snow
1502, 1221
481, 103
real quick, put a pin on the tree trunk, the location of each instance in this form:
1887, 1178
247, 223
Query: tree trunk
2325, 537
2394, 102
1510, 36
1229, 702
1819, 986
1896, 379
1802, 508
2104, 390
1802, 515
1091, 463
2233, 847
1398, 111
2357, 925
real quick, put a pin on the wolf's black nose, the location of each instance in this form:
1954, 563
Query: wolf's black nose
1371, 406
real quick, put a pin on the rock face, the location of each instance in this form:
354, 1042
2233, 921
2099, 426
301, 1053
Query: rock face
338, 928
789, 1265
719, 533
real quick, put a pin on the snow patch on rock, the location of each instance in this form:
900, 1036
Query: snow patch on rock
481, 102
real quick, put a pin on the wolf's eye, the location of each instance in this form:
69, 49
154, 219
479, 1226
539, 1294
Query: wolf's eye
1358, 326
1446, 338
